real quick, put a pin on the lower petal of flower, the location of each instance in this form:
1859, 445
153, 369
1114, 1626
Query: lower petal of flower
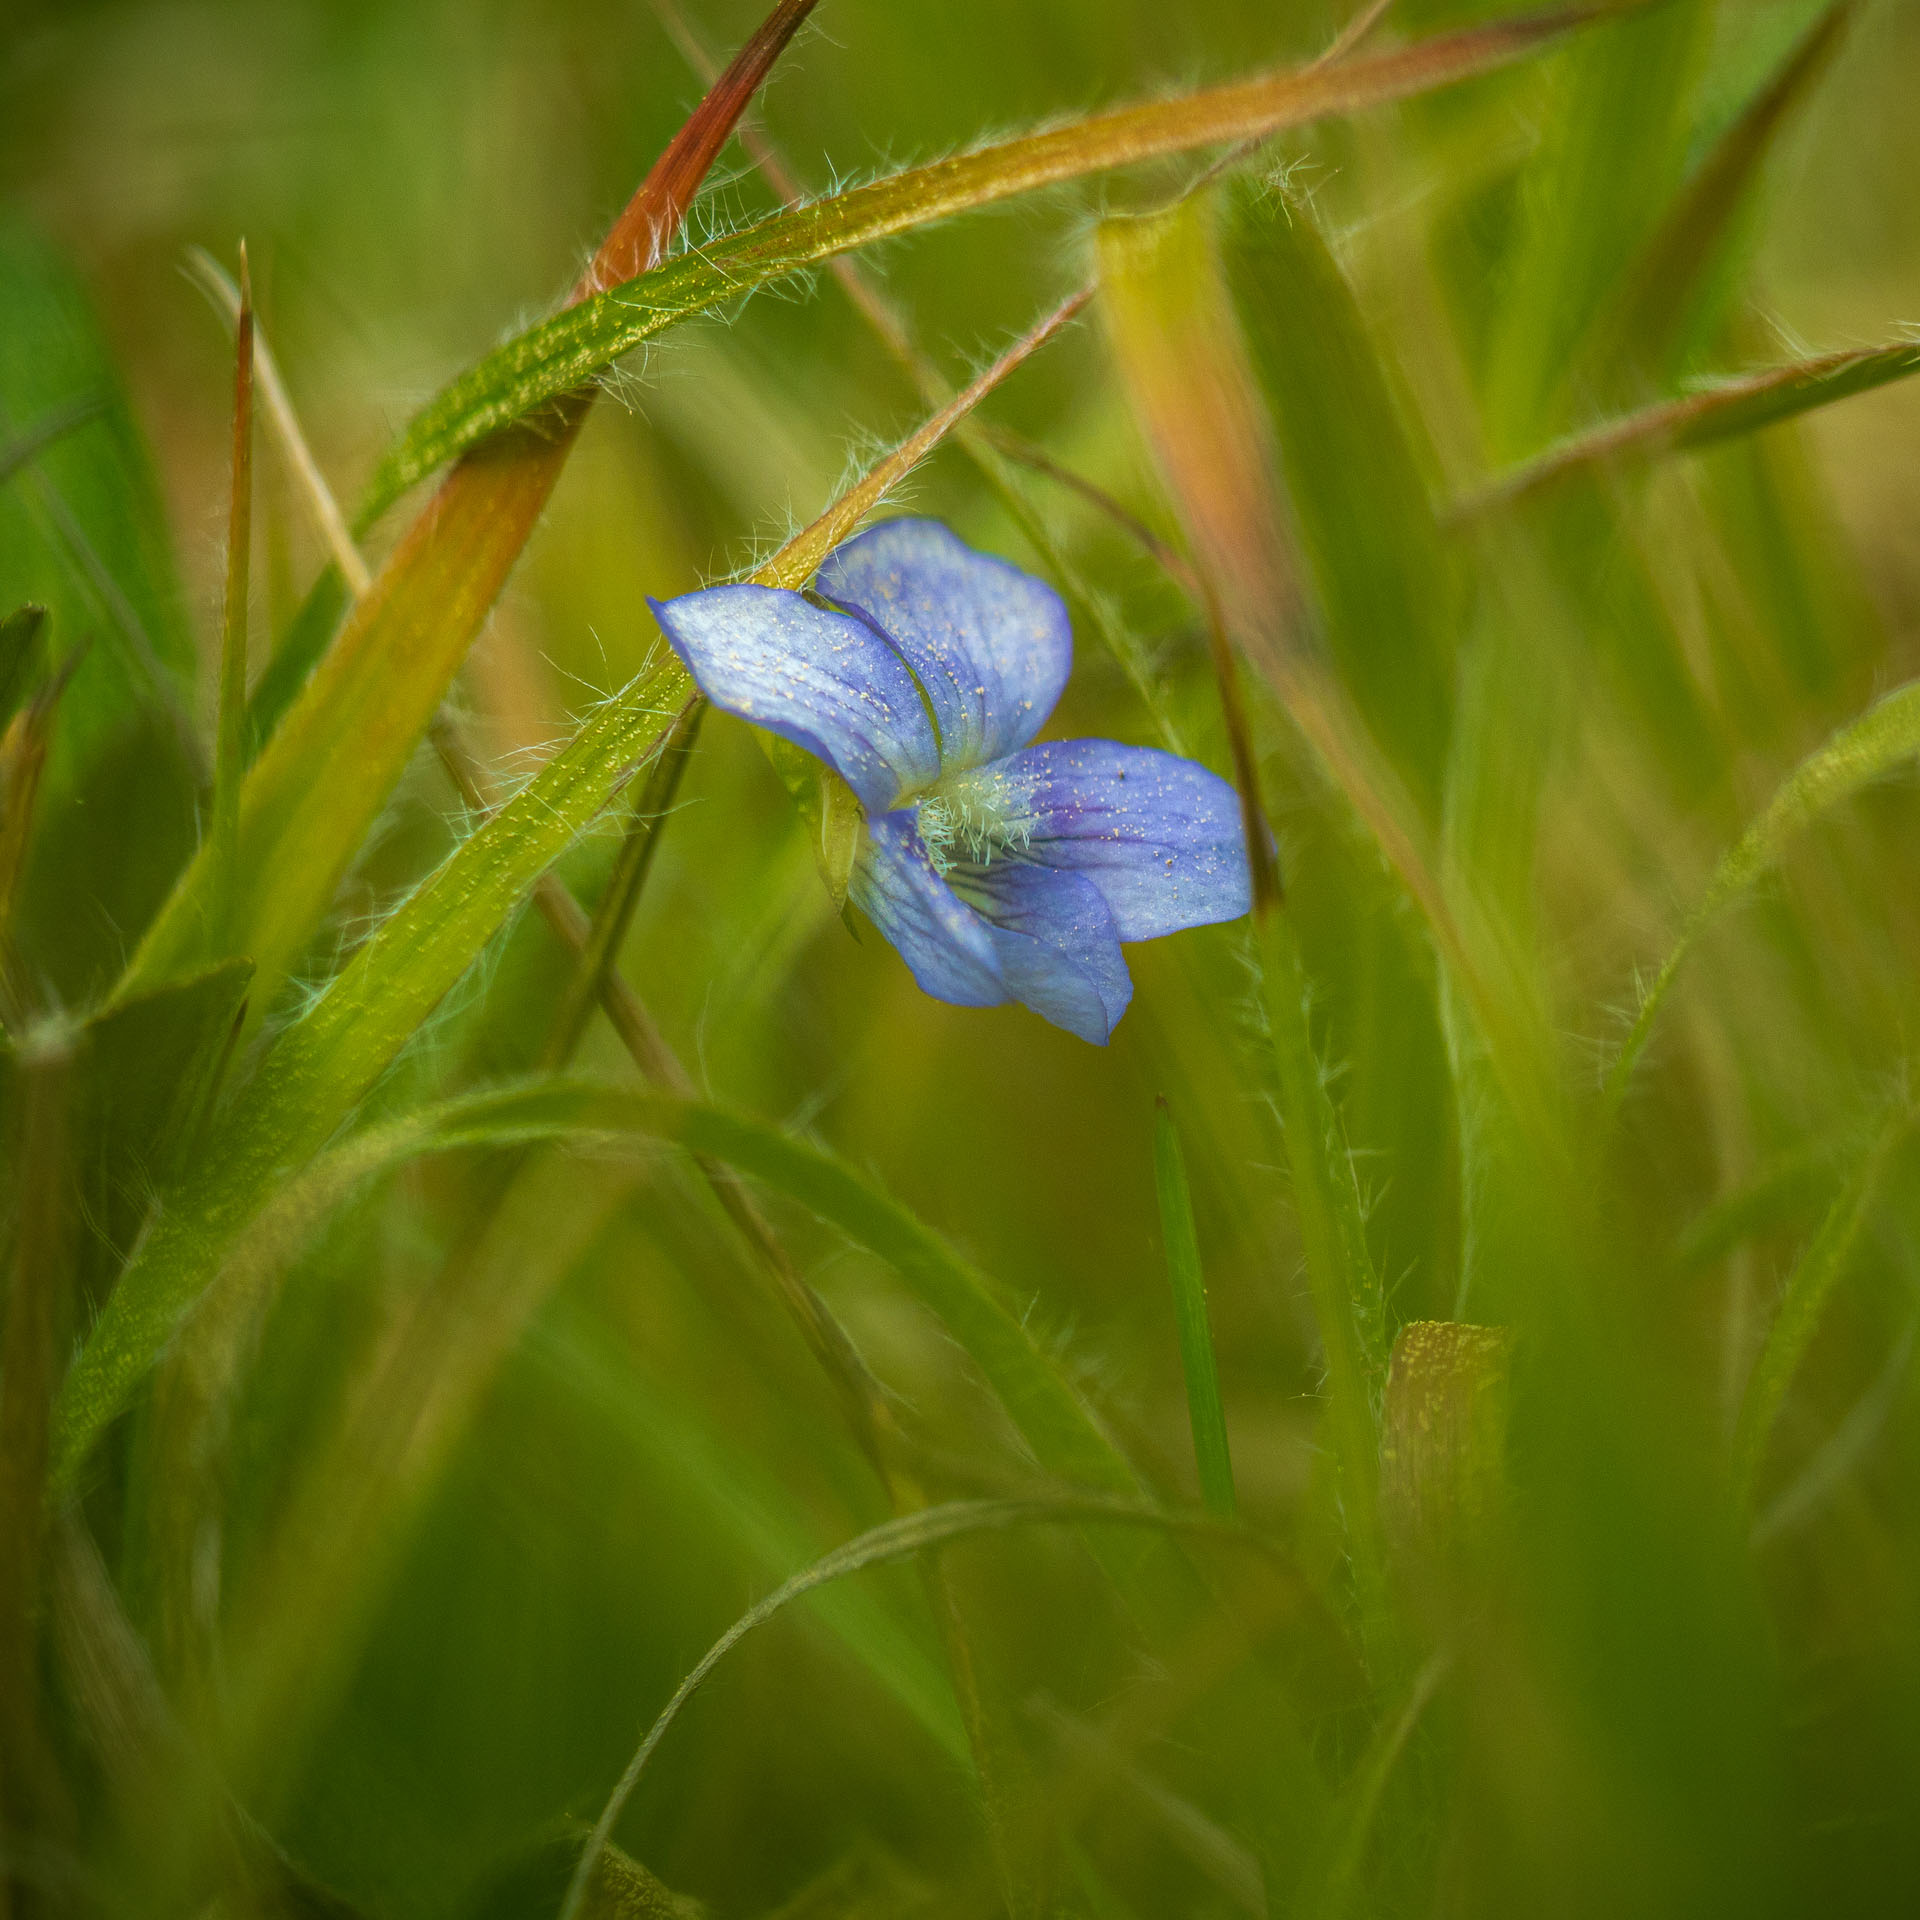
1058, 950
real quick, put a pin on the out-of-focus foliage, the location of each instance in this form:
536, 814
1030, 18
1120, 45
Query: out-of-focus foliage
402, 1387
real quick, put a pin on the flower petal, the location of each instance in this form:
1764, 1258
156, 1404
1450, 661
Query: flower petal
949, 948
1049, 940
991, 645
1160, 837
1059, 952
826, 682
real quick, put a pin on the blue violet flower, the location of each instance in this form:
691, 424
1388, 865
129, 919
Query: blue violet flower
999, 870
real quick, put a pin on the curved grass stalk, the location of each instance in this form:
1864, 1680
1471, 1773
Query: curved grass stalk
540, 367
1863, 751
1703, 419
1804, 1299
895, 1540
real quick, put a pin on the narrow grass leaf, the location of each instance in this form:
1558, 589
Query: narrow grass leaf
1684, 266
1182, 1243
1346, 1291
1885, 738
230, 754
323, 776
1358, 496
895, 1540
320, 1068
1703, 419
555, 358
1803, 1300
20, 633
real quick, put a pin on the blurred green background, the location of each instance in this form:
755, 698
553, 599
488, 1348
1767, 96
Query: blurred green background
1654, 1716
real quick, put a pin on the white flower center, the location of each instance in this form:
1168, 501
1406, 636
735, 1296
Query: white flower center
969, 819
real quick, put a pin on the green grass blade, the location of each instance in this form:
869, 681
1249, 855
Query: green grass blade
1725, 412
894, 1540
1355, 486
538, 368
1882, 740
1346, 1291
1614, 114
1684, 267
321, 780
1803, 1301
230, 751
1210, 1451
323, 1066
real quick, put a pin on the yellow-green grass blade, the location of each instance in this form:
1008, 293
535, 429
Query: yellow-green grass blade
323, 777
894, 1540
1181, 1241
539, 367
321, 1067
1809, 1286
242, 1196
1614, 112
1684, 273
1358, 497
1698, 420
1883, 739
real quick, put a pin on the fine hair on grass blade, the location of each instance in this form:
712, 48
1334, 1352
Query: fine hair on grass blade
1881, 741
1804, 1298
230, 752
323, 1065
556, 357
1724, 412
321, 779
1182, 1243
899, 1539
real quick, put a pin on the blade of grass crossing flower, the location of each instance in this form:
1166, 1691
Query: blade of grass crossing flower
556, 357
1802, 1302
324, 1065
230, 754
1882, 740
1182, 1243
1699, 420
895, 1540
327, 770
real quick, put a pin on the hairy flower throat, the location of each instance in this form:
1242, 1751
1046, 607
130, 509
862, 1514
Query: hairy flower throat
974, 818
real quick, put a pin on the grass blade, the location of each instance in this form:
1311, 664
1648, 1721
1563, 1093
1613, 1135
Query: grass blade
230, 754
327, 770
320, 1068
1357, 495
1809, 1286
1702, 419
1210, 1451
557, 357
1686, 258
1884, 738
894, 1540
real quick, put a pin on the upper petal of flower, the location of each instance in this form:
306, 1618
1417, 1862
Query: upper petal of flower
991, 645
825, 681
1159, 836
1049, 940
